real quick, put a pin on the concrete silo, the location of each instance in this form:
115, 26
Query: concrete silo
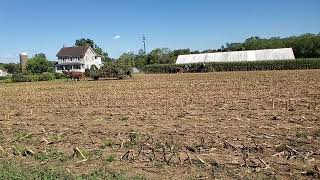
23, 61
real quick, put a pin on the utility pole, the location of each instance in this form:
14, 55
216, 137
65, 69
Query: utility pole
144, 38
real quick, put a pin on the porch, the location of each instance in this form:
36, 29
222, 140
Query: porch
72, 66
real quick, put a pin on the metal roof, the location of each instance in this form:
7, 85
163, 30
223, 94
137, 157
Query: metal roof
238, 56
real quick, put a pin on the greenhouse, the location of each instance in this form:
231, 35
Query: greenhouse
238, 56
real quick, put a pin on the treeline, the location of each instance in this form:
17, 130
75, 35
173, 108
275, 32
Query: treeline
304, 46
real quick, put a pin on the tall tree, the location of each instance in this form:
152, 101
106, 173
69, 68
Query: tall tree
12, 68
161, 56
127, 59
85, 42
39, 64
40, 55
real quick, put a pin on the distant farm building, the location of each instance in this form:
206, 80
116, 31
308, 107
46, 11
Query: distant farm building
135, 70
238, 56
3, 73
77, 59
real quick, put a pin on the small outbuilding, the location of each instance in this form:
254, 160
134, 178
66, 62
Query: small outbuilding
135, 70
3, 73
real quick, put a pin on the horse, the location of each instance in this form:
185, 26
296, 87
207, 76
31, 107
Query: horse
77, 76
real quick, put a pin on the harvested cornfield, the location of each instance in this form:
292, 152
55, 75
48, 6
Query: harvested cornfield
235, 125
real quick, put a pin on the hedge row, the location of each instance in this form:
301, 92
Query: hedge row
46, 76
235, 66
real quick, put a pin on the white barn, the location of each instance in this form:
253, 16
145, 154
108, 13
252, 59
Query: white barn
77, 59
238, 56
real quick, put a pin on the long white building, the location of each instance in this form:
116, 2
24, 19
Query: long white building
77, 59
238, 56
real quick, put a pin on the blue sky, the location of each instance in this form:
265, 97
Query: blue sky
117, 25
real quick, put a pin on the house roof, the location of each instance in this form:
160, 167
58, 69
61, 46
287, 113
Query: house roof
73, 51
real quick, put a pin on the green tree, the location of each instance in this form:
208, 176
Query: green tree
161, 56
40, 55
12, 68
127, 59
85, 42
39, 64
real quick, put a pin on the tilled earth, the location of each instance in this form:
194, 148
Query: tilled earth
235, 125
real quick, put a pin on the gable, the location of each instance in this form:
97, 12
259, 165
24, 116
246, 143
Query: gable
90, 52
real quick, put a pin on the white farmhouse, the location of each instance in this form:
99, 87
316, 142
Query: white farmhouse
77, 59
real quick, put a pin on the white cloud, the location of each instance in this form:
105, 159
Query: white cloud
116, 37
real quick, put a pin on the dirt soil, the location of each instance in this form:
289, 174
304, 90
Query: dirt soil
234, 125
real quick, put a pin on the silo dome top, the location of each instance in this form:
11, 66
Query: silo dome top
23, 54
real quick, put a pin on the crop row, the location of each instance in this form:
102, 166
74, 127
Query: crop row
235, 66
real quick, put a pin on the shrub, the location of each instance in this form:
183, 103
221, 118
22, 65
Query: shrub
47, 76
59, 76
110, 70
3, 78
87, 72
94, 72
33, 77
20, 78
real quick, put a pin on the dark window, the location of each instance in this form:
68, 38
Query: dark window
60, 68
76, 67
